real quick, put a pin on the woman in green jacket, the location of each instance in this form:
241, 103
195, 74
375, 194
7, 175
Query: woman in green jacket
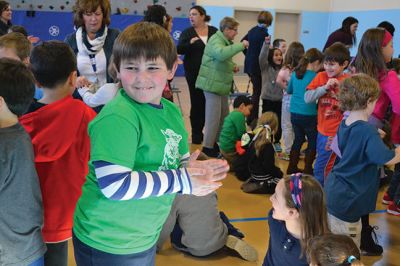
215, 79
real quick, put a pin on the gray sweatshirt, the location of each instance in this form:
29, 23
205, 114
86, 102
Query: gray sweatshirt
269, 90
21, 211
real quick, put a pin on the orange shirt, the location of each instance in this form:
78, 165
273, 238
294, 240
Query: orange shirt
329, 113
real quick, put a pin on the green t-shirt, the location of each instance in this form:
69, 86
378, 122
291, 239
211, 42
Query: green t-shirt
232, 130
141, 137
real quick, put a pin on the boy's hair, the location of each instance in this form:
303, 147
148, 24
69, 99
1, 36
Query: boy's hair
309, 57
242, 99
370, 59
269, 119
312, 212
332, 250
83, 6
17, 85
18, 28
228, 23
293, 54
271, 58
265, 17
52, 62
387, 26
144, 40
337, 52
18, 42
357, 91
277, 42
396, 65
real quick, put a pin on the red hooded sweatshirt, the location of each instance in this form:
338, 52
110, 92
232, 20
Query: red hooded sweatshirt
61, 146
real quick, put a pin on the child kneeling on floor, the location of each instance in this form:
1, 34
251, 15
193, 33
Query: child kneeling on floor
234, 127
257, 165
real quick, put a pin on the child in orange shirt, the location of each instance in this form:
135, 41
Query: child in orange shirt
325, 88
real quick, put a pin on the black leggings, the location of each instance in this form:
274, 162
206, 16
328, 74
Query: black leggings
276, 107
56, 254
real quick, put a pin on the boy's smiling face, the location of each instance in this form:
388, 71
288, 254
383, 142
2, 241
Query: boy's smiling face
334, 69
144, 80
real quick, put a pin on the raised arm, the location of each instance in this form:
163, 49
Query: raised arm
263, 57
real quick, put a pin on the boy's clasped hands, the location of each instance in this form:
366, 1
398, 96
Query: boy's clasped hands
205, 175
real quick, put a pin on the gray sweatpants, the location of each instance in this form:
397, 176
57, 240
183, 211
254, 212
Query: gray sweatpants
202, 227
217, 108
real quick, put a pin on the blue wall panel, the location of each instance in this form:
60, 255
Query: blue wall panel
314, 29
57, 25
368, 19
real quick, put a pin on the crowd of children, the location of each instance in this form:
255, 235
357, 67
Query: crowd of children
102, 179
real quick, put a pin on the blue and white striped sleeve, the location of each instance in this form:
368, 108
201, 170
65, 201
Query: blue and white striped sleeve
118, 182
184, 160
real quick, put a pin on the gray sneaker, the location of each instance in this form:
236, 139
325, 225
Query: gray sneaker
245, 251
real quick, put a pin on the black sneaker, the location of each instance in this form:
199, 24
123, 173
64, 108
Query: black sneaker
369, 242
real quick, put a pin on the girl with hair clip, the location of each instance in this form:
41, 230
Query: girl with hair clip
257, 164
298, 215
374, 52
270, 60
302, 115
333, 250
291, 60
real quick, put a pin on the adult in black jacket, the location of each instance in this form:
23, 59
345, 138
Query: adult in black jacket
256, 37
5, 17
192, 42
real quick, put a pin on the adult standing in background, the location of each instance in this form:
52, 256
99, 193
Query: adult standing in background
256, 37
92, 42
192, 42
5, 17
216, 78
346, 34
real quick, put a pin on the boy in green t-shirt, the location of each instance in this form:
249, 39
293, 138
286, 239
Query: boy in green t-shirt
234, 127
138, 146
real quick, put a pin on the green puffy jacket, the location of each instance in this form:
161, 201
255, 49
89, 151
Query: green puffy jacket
216, 70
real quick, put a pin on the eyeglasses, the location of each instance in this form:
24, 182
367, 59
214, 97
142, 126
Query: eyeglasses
234, 29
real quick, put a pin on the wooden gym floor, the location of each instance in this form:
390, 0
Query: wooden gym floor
247, 212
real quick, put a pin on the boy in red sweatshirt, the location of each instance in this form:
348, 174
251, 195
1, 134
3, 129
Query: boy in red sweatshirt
57, 125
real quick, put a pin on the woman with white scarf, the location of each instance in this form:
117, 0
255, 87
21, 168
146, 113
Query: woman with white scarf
92, 42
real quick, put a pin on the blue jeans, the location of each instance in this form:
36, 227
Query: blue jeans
324, 153
304, 125
88, 256
38, 262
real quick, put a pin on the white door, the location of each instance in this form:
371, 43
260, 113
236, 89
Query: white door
247, 20
287, 26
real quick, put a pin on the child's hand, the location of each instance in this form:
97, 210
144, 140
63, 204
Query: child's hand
82, 82
332, 83
382, 133
205, 175
268, 40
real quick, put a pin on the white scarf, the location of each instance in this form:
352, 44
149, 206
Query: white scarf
97, 43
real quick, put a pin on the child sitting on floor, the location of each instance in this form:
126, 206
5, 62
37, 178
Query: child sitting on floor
257, 165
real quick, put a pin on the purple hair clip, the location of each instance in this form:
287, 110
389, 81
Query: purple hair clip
295, 189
